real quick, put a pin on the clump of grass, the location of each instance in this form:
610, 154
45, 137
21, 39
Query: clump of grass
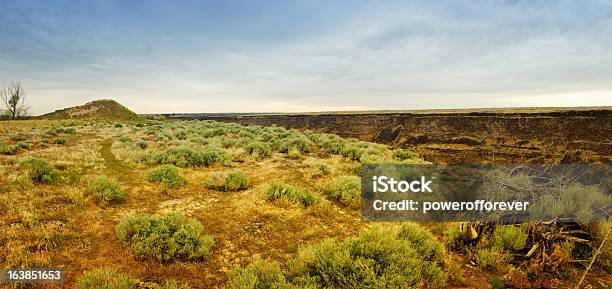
509, 238
227, 181
23, 145
125, 139
187, 157
404, 257
69, 130
168, 175
491, 258
259, 274
8, 149
118, 125
403, 155
352, 152
258, 149
142, 144
297, 142
106, 191
294, 154
105, 279
59, 140
19, 137
290, 193
345, 190
320, 170
170, 237
40, 171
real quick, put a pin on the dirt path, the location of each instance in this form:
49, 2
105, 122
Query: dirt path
115, 167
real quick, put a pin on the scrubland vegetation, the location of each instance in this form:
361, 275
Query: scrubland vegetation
199, 204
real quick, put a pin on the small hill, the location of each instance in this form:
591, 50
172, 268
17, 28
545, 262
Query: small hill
98, 109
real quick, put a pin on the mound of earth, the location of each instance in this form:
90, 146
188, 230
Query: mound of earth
97, 109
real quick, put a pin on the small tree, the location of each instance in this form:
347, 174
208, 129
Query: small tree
13, 98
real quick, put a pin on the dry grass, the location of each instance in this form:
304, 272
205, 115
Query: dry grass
59, 225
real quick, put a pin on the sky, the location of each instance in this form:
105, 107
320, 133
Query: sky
291, 56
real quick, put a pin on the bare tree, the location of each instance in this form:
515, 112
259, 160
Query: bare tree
13, 97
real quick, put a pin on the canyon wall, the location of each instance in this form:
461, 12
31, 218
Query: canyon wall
582, 136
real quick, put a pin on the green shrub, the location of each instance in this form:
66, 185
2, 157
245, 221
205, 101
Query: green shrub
118, 125
187, 157
294, 154
261, 274
106, 191
291, 193
404, 257
227, 181
168, 175
403, 155
320, 170
105, 279
41, 171
59, 140
258, 149
8, 149
19, 137
165, 238
352, 152
333, 146
23, 145
345, 190
509, 238
299, 143
108, 279
70, 130
491, 258
143, 144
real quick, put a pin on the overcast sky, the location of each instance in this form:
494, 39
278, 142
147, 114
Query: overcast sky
254, 56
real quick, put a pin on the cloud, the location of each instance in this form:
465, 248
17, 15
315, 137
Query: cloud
311, 55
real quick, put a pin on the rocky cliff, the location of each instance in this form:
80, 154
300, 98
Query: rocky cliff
566, 136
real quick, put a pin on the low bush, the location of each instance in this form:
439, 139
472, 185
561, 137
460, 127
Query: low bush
8, 149
105, 279
186, 157
345, 190
19, 137
300, 143
69, 130
118, 125
59, 140
509, 238
491, 258
290, 193
320, 170
333, 146
105, 191
258, 275
352, 152
294, 154
168, 175
227, 181
23, 145
403, 155
142, 144
170, 237
258, 149
392, 257
108, 279
41, 171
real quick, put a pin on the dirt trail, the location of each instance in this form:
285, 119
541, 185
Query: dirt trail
115, 167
